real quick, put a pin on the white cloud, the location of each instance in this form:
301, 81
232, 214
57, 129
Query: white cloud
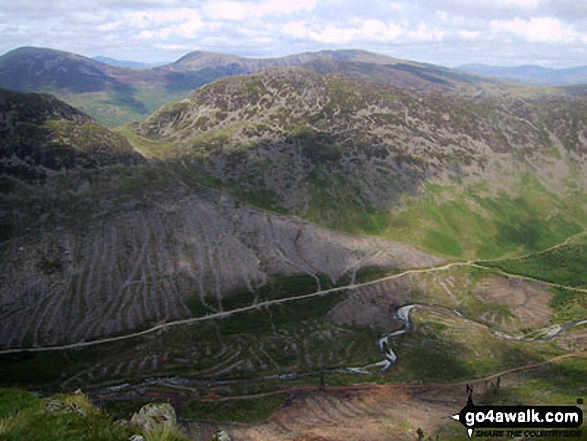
333, 35
234, 10
483, 6
425, 33
366, 30
151, 30
469, 35
172, 47
541, 30
107, 27
145, 19
162, 23
262, 40
146, 35
188, 28
376, 30
296, 29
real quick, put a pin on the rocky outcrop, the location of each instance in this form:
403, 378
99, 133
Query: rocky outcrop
308, 141
41, 136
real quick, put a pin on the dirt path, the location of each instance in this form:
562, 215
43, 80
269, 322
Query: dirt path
378, 386
224, 314
531, 279
546, 250
373, 386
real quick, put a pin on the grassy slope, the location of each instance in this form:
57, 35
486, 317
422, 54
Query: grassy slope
115, 109
564, 265
452, 220
474, 223
24, 416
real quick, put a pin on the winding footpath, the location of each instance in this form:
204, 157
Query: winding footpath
267, 303
224, 314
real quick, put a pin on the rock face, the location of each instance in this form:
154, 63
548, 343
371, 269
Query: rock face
70, 405
155, 416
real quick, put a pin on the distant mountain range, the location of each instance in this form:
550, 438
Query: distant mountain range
126, 63
114, 93
531, 75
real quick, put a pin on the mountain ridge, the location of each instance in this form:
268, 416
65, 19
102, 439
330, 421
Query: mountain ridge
310, 144
126, 63
531, 74
42, 136
117, 95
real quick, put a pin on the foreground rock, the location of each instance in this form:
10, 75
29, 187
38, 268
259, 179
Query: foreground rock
155, 416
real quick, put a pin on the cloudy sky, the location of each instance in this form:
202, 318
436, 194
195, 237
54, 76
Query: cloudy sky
551, 33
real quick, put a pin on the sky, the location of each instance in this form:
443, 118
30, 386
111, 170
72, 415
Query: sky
549, 33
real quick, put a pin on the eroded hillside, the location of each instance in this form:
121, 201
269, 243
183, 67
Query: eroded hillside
181, 258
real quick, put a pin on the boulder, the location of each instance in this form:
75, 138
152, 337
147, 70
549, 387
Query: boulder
55, 405
75, 408
155, 416
221, 435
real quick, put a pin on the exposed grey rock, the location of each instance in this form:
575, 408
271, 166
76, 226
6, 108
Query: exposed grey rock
221, 435
148, 266
155, 416
55, 405
75, 408
136, 438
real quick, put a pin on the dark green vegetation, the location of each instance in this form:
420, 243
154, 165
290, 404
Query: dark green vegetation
239, 411
569, 305
24, 416
563, 265
43, 136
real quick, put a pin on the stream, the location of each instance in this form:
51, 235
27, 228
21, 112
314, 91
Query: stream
401, 314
